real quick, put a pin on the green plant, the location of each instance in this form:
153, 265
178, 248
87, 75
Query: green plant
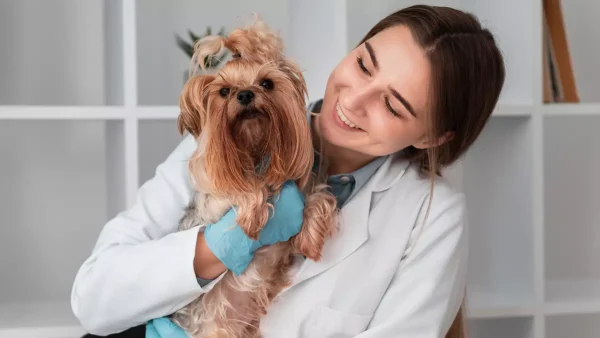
188, 47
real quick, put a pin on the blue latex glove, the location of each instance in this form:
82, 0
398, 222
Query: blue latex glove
164, 328
229, 243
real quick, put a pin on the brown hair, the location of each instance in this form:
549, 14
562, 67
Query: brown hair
467, 76
468, 73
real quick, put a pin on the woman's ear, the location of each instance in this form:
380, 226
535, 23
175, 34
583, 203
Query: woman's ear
425, 142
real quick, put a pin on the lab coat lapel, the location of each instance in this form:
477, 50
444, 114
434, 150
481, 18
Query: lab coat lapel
352, 232
354, 220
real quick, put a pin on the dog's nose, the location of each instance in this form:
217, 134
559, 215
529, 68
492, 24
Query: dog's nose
245, 97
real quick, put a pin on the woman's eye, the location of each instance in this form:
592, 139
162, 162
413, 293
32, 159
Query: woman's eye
267, 84
389, 107
361, 64
224, 92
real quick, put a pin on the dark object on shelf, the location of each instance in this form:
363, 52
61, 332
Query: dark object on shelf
558, 77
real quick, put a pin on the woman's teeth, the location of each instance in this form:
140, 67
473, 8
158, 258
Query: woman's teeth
344, 118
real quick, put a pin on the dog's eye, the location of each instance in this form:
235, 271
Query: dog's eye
267, 84
224, 92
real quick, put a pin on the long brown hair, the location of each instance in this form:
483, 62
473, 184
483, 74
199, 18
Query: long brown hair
468, 74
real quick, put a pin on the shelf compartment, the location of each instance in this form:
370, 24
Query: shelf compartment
54, 190
576, 326
501, 328
572, 296
59, 53
571, 213
497, 305
497, 181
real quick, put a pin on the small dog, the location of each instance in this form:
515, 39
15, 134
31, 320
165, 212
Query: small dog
250, 123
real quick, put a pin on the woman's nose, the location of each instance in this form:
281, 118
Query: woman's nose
356, 100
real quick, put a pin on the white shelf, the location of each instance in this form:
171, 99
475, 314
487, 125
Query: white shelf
88, 112
513, 110
62, 113
501, 328
572, 297
570, 109
573, 326
169, 112
157, 113
38, 320
482, 305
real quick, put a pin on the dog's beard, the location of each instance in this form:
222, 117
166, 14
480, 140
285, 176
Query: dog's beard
250, 131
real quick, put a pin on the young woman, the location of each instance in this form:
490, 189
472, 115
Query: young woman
408, 101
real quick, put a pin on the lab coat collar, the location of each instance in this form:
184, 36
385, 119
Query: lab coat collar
354, 220
390, 172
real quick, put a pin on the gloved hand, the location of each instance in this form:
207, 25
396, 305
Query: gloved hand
229, 243
164, 328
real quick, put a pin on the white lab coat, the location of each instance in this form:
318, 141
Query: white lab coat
385, 274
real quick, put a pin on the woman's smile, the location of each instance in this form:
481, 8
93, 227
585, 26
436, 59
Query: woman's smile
343, 121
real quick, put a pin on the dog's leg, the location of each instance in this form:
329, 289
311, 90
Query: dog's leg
320, 222
234, 305
253, 213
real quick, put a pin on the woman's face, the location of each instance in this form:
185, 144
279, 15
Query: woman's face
376, 98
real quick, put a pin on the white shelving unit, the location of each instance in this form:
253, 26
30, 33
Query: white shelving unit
89, 110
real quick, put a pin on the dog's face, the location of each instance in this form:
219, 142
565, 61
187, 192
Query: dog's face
249, 118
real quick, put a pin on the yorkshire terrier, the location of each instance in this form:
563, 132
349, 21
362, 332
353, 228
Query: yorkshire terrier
249, 120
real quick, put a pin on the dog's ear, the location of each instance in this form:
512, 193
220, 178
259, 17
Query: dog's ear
293, 72
193, 103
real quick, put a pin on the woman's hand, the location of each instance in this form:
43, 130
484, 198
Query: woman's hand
164, 328
224, 245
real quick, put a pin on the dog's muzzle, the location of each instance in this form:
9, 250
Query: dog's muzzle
248, 114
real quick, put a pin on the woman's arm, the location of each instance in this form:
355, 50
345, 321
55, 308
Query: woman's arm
141, 267
428, 288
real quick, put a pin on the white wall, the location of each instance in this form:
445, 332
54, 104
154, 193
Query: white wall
581, 21
314, 44
52, 52
361, 18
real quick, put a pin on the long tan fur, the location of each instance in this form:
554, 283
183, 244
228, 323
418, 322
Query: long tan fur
245, 153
